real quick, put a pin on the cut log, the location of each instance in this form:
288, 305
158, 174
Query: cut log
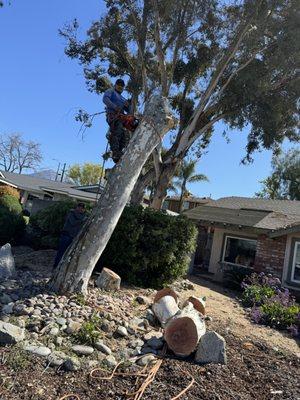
198, 303
165, 308
184, 330
108, 280
165, 292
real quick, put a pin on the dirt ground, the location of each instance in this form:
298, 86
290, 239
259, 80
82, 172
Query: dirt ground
223, 306
263, 364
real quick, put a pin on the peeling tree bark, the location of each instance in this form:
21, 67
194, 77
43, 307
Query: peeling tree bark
76, 267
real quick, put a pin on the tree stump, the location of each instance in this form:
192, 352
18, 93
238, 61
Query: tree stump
108, 280
165, 305
198, 303
184, 330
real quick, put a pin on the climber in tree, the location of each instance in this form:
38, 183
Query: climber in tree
116, 109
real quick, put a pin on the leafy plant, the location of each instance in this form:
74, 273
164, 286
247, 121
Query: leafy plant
149, 248
271, 304
10, 191
88, 333
12, 224
256, 295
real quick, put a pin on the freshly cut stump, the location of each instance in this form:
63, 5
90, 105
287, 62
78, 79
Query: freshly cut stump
198, 303
108, 280
184, 330
165, 292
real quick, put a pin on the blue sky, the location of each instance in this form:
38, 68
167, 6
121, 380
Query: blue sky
40, 90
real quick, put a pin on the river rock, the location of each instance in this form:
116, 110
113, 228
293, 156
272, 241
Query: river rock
82, 350
7, 262
41, 351
211, 349
10, 334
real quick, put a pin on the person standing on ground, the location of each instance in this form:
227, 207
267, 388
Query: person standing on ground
73, 224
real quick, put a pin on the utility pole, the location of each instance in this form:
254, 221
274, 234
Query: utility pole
57, 172
63, 172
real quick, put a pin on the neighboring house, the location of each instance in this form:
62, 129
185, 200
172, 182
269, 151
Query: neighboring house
35, 193
259, 234
172, 202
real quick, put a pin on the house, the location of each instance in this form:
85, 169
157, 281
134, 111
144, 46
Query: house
35, 193
172, 203
253, 233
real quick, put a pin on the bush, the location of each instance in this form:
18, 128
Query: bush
234, 276
12, 224
11, 203
271, 304
10, 191
51, 220
149, 248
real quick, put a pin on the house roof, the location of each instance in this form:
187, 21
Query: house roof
41, 185
200, 200
277, 217
234, 202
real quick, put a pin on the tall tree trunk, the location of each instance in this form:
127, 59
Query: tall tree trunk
76, 267
183, 190
161, 187
138, 191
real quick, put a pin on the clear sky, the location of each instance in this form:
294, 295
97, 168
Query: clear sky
40, 90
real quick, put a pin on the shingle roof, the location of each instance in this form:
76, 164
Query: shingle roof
234, 202
40, 185
262, 214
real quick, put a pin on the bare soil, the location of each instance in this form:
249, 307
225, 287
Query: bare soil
263, 364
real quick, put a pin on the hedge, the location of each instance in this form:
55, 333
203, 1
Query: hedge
9, 190
149, 248
12, 224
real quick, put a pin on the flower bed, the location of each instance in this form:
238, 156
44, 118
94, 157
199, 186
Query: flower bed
270, 303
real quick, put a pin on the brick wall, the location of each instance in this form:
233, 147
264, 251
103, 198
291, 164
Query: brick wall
270, 255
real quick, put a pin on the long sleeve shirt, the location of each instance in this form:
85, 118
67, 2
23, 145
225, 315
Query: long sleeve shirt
114, 100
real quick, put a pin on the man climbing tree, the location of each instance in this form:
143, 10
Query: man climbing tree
119, 123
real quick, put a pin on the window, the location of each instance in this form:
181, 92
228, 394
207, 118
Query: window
240, 251
166, 205
296, 263
186, 205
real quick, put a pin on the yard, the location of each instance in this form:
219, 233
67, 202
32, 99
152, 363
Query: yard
262, 363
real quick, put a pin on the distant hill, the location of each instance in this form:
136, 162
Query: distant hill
45, 174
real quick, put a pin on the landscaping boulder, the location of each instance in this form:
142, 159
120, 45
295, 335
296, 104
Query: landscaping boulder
108, 280
7, 262
211, 349
10, 334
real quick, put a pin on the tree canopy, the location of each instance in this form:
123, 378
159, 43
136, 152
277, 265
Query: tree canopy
235, 62
284, 181
86, 174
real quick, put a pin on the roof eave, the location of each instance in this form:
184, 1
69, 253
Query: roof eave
284, 231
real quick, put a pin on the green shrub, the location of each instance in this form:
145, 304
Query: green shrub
149, 248
12, 224
89, 333
51, 220
4, 190
256, 295
11, 203
278, 315
234, 275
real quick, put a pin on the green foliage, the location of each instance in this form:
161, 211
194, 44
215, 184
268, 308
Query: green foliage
86, 174
18, 359
149, 248
284, 181
9, 190
51, 220
234, 276
257, 295
88, 333
11, 203
278, 315
12, 224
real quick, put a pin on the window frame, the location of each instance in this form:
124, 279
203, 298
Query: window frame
293, 266
225, 244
